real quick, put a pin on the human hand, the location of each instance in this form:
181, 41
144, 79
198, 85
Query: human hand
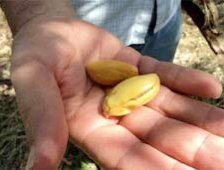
57, 100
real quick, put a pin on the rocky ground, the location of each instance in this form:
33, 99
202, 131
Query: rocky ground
193, 51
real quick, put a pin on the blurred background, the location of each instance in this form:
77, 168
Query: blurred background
194, 51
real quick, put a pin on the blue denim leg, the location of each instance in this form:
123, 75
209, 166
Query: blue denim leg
162, 44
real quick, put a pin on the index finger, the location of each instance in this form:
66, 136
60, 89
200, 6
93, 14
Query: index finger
184, 80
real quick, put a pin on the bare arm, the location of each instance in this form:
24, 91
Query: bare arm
20, 12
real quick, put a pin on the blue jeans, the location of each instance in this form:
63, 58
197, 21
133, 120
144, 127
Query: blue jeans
162, 44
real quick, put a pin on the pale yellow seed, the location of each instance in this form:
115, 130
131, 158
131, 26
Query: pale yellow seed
131, 94
110, 72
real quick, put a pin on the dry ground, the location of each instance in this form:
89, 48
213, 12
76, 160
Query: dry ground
193, 51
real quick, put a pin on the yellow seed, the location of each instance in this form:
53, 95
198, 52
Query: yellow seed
130, 94
110, 72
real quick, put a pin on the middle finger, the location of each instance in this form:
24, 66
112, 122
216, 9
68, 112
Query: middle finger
185, 142
186, 109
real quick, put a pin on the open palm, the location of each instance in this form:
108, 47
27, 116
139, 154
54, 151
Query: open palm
58, 100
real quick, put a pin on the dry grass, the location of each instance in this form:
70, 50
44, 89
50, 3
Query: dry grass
192, 52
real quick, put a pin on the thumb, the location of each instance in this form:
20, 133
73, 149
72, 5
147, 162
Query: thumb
42, 111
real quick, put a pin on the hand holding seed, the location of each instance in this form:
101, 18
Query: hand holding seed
59, 104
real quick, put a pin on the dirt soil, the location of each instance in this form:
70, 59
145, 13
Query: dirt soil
193, 51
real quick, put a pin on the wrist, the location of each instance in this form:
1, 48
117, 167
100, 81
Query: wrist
20, 13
